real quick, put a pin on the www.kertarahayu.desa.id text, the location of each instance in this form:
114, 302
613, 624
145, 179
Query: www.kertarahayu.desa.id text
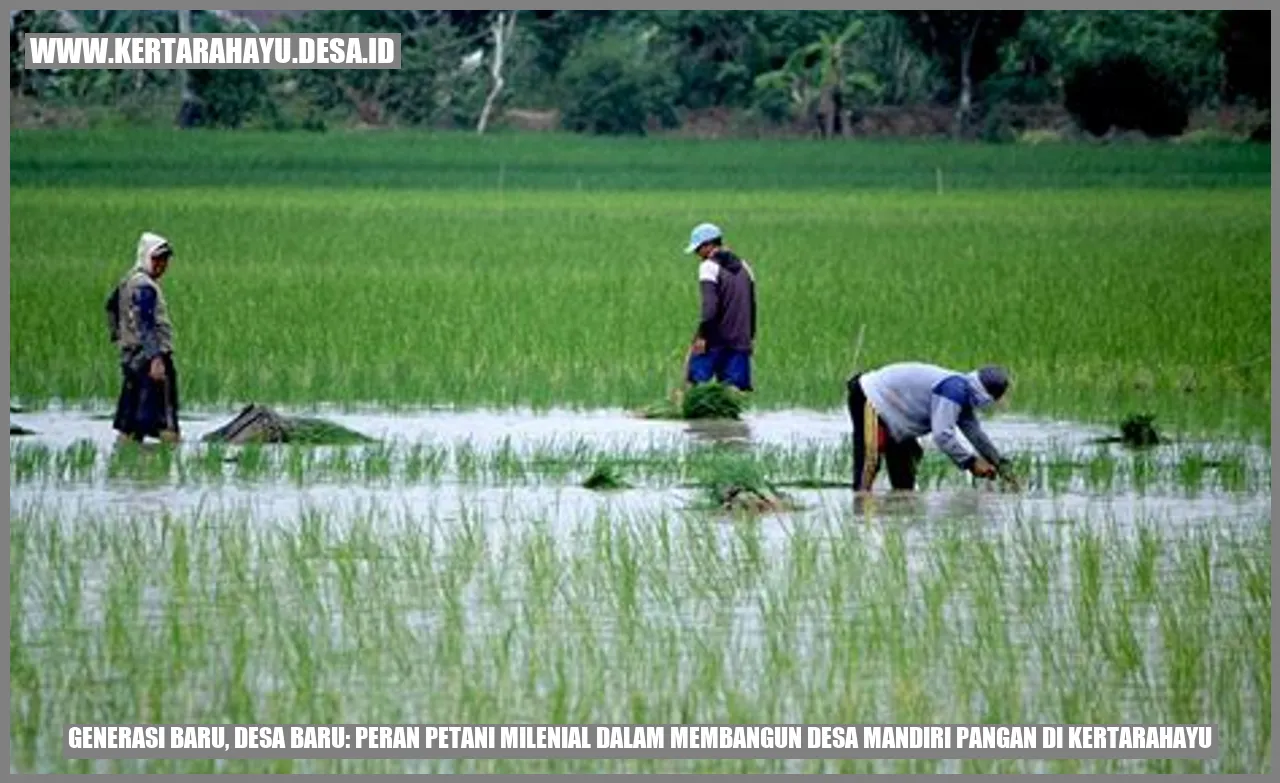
63, 51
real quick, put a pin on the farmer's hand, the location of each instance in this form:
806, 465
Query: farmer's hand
1008, 476
157, 369
699, 347
982, 469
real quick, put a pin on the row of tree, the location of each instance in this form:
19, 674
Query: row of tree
624, 71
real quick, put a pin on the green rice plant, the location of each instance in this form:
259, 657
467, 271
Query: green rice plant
1229, 467
77, 461
712, 400
738, 483
1053, 224
298, 464
605, 476
28, 460
1191, 471
377, 461
1059, 473
319, 432
466, 461
424, 463
1142, 471
1233, 476
1101, 474
212, 462
252, 462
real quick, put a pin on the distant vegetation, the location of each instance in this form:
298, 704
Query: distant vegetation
987, 74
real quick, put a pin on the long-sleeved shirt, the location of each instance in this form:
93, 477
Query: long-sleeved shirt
916, 399
144, 322
728, 317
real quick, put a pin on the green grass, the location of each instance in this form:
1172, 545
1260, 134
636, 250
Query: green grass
223, 618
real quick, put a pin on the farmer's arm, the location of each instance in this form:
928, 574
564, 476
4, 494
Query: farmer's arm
973, 431
950, 399
144, 302
708, 283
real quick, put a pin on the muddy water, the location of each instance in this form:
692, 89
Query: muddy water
510, 510
565, 506
488, 429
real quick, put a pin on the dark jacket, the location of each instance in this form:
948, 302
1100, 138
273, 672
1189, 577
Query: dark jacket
728, 302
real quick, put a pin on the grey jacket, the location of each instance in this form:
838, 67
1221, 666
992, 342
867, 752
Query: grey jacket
916, 399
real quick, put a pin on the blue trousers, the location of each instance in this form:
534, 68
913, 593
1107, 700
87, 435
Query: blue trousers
722, 364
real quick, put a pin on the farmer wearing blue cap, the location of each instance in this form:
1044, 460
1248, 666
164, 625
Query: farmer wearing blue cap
893, 406
726, 333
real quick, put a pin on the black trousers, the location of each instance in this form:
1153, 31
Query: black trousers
872, 443
147, 407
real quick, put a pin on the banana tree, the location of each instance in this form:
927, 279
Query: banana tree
819, 79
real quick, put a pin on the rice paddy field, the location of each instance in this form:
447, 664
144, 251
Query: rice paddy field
515, 547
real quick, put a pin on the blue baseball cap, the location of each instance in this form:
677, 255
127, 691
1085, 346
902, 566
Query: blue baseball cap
702, 234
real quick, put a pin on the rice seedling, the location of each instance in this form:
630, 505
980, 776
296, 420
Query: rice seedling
1102, 471
1191, 471
504, 614
605, 476
1080, 236
28, 461
424, 463
711, 400
1228, 469
736, 483
252, 462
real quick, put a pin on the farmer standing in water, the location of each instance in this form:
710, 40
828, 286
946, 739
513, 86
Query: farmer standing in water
893, 406
722, 345
139, 322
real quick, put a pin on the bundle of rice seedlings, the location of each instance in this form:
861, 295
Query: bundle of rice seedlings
259, 424
738, 484
1139, 430
713, 400
605, 476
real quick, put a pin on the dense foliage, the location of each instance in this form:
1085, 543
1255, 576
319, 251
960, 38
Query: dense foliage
625, 71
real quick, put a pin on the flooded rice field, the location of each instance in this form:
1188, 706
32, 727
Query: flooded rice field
459, 571
438, 463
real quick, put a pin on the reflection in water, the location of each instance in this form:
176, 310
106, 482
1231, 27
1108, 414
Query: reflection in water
890, 504
723, 432
487, 429
445, 497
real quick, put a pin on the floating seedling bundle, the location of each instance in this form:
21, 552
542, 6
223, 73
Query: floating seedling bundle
259, 424
606, 476
1136, 431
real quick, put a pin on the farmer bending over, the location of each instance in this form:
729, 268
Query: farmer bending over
722, 346
140, 328
893, 406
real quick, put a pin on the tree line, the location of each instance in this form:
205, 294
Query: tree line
622, 72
